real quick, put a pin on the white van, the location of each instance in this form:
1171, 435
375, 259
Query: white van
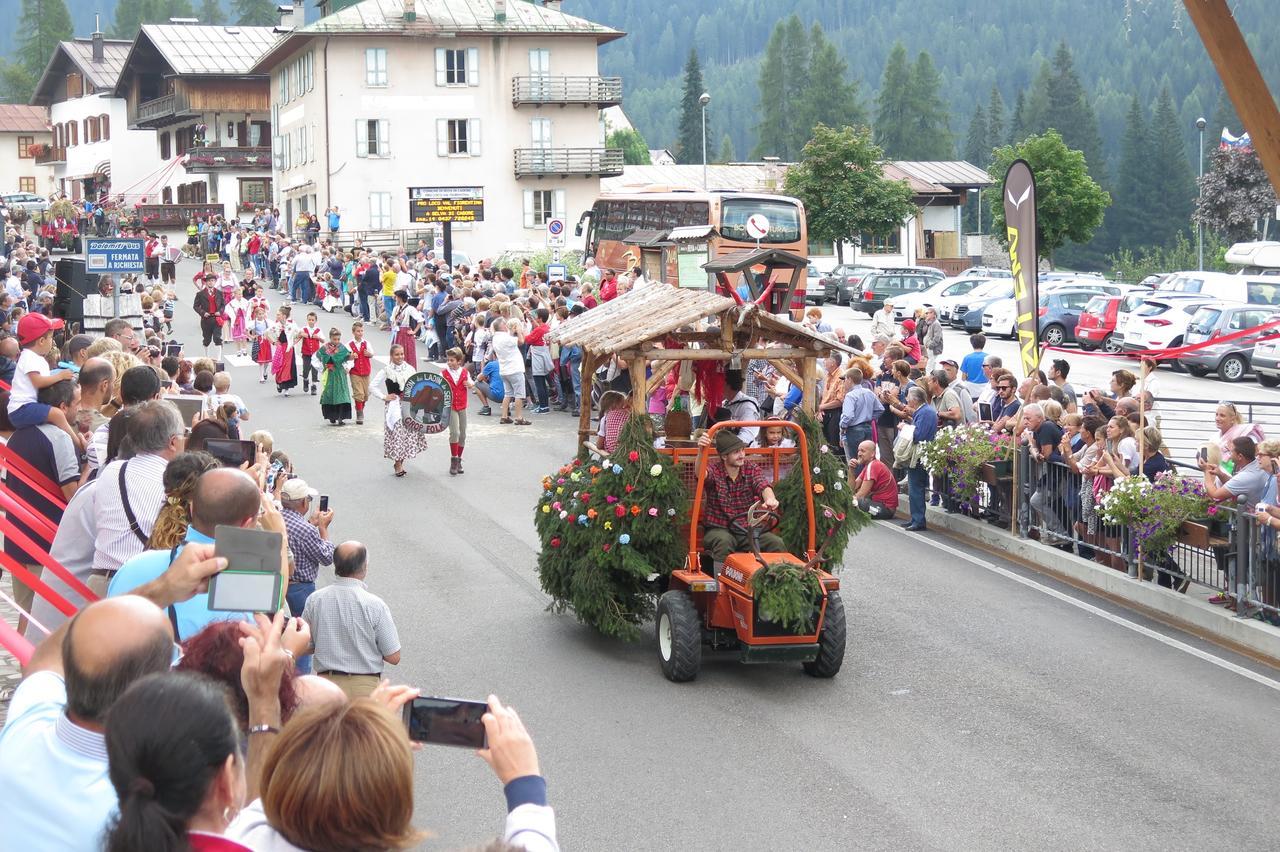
1257, 290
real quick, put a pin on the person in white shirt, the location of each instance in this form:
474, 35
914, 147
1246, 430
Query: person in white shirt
222, 393
883, 323
301, 288
506, 348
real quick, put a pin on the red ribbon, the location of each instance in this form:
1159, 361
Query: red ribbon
1174, 352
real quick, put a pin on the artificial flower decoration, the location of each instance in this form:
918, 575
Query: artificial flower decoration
635, 510
606, 547
555, 542
591, 513
610, 499
819, 488
545, 508
620, 511
671, 513
653, 511
656, 470
564, 515
617, 468
624, 539
608, 525
633, 456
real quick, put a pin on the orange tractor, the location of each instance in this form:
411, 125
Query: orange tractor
720, 610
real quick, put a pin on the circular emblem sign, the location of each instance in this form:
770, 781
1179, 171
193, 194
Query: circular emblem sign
426, 402
757, 226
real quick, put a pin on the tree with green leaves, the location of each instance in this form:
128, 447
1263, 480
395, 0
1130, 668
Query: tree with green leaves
635, 151
1069, 203
1133, 197
210, 12
1236, 193
995, 119
1170, 178
726, 154
784, 73
842, 184
688, 149
930, 130
132, 14
255, 13
893, 105
16, 85
41, 25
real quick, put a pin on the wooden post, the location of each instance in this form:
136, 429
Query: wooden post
1241, 78
584, 404
809, 371
638, 385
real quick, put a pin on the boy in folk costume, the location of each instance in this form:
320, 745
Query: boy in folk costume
335, 402
361, 368
459, 381
310, 337
260, 338
238, 311
283, 335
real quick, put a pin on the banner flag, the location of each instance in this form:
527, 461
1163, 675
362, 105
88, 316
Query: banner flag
1020, 222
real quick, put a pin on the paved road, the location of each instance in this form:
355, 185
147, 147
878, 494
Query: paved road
975, 711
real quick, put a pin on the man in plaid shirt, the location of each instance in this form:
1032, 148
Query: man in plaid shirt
731, 487
308, 544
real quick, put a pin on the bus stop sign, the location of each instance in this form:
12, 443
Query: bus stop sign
116, 255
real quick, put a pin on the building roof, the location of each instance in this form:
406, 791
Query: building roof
22, 118
215, 50
953, 174
924, 178
442, 17
78, 53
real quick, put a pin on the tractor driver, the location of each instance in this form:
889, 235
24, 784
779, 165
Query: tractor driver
732, 485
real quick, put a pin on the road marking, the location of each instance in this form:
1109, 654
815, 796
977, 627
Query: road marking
1101, 613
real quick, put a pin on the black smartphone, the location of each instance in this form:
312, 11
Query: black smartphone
446, 721
276, 467
231, 453
1203, 454
324, 502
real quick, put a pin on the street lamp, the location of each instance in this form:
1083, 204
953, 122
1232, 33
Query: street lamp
704, 99
1200, 125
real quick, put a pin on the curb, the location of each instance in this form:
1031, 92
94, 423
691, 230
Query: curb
1198, 617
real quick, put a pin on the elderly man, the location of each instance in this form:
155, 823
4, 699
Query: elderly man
352, 631
924, 419
960, 389
1246, 485
877, 493
123, 331
731, 486
931, 338
1044, 437
97, 377
883, 323
858, 412
944, 399
53, 760
308, 536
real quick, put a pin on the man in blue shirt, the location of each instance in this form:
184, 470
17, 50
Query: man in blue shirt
334, 219
859, 410
489, 386
223, 496
924, 419
971, 367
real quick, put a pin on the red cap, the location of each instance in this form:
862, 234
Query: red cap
34, 326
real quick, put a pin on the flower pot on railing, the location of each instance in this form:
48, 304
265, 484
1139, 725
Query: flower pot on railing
1194, 533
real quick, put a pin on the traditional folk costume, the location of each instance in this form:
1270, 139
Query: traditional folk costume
227, 285
310, 346
361, 368
335, 400
238, 313
210, 305
405, 321
259, 334
330, 293
284, 363
459, 382
402, 438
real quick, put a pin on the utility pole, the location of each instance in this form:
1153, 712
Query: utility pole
704, 99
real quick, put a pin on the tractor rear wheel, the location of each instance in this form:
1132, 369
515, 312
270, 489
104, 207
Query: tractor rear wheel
830, 641
679, 632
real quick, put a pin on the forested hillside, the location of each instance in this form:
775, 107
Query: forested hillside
1121, 49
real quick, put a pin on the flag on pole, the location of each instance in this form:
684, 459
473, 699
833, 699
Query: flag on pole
1020, 222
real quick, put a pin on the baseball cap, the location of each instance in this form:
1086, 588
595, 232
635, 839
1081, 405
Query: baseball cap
297, 489
948, 363
32, 327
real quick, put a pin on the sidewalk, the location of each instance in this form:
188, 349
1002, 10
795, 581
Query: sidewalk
1190, 611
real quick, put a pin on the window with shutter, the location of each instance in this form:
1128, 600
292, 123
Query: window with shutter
528, 209
557, 204
311, 143
105, 121
375, 66
383, 131
473, 135
362, 138
472, 71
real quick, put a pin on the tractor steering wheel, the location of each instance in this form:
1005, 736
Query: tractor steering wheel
757, 518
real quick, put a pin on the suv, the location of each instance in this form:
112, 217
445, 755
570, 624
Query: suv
25, 201
890, 283
844, 284
1266, 362
978, 299
985, 272
1160, 321
1231, 360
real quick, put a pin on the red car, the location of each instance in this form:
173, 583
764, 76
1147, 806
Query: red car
1097, 324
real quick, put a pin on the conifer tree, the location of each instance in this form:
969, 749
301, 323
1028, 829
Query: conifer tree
828, 97
210, 12
893, 106
1069, 112
995, 119
1018, 124
771, 132
930, 126
42, 24
726, 154
1169, 175
255, 13
1132, 192
689, 137
977, 150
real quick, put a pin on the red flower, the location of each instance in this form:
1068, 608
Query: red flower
555, 542
620, 511
633, 455
635, 510
606, 548
630, 488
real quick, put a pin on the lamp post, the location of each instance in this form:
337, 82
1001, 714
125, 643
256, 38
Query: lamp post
1200, 124
704, 99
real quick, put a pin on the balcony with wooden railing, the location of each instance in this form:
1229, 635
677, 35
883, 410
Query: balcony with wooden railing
163, 110
176, 215
547, 89
50, 155
213, 158
563, 162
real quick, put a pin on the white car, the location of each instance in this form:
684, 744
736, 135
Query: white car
27, 201
1161, 321
905, 306
946, 304
1002, 317
985, 272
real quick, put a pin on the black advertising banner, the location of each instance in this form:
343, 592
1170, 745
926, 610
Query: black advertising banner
1020, 223
446, 204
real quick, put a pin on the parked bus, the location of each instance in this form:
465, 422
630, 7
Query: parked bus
669, 232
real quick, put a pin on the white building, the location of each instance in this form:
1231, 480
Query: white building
502, 97
22, 128
94, 153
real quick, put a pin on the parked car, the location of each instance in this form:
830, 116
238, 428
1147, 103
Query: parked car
946, 305
844, 284
1128, 303
890, 284
985, 272
977, 300
27, 201
1002, 317
906, 306
1059, 314
813, 292
1097, 325
1266, 362
1232, 360
1161, 321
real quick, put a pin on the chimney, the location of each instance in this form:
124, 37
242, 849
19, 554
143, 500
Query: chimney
552, 4
410, 11
287, 18
499, 10
98, 51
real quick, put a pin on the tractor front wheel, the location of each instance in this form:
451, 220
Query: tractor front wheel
679, 629
830, 641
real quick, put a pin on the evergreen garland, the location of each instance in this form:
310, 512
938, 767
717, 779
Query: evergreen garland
606, 526
787, 594
837, 517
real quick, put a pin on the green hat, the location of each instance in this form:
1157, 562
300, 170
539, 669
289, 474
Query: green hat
727, 442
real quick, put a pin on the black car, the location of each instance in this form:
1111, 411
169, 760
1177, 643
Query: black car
890, 283
844, 283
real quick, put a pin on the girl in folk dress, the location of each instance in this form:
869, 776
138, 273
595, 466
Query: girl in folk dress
335, 399
361, 367
329, 292
258, 334
227, 282
284, 363
405, 322
460, 383
238, 313
402, 438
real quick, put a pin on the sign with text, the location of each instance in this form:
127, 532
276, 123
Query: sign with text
557, 271
115, 255
446, 204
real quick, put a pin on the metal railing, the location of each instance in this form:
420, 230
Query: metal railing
176, 215
215, 157
548, 89
532, 162
1187, 424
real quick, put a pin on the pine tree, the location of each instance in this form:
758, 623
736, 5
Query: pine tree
726, 154
132, 14
1170, 174
689, 137
893, 131
1035, 107
210, 12
254, 13
41, 26
995, 119
977, 150
1018, 124
796, 48
771, 132
827, 96
1070, 113
1125, 222
930, 130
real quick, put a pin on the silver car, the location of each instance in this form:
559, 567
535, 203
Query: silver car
1232, 360
27, 201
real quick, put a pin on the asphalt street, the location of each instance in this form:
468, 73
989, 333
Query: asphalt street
981, 706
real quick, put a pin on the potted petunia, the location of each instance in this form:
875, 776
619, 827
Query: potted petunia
1157, 514
965, 456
